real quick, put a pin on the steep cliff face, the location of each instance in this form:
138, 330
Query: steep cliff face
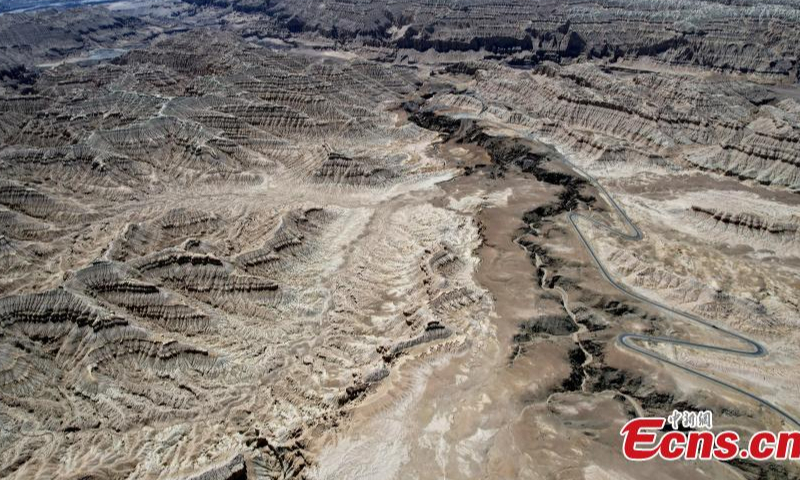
747, 37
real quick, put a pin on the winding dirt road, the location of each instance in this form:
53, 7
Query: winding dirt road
633, 341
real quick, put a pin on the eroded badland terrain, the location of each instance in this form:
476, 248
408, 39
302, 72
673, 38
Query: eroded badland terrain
376, 240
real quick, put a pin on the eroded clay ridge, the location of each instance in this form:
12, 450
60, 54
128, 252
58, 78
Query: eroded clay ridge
207, 241
220, 229
648, 118
760, 40
742, 327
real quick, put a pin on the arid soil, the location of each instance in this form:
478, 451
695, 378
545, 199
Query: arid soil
498, 411
274, 240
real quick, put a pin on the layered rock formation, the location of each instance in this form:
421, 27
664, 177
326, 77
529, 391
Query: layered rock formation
745, 37
229, 239
207, 255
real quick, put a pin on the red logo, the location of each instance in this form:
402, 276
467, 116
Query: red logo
644, 439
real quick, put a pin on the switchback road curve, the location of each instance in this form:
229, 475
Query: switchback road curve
632, 341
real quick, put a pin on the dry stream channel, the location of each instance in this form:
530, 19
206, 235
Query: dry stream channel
489, 411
